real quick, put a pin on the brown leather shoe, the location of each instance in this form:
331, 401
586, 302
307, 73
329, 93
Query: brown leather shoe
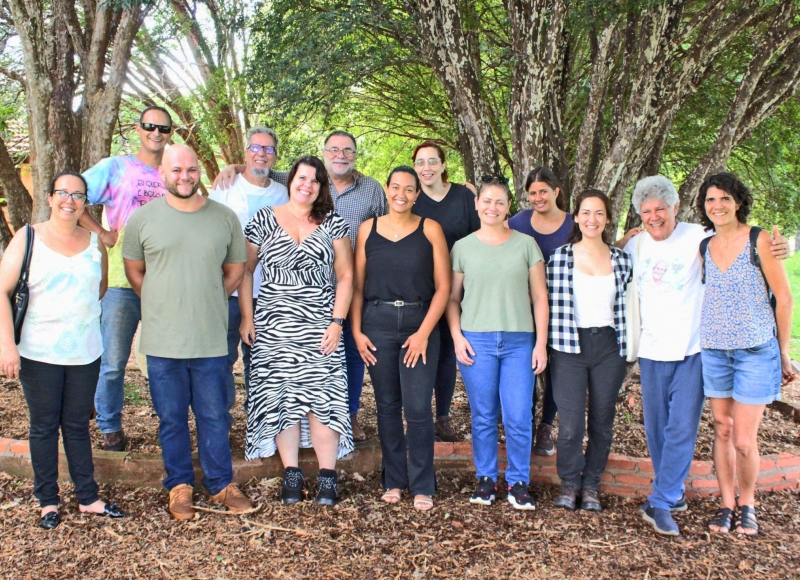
358, 432
180, 502
115, 441
444, 430
233, 499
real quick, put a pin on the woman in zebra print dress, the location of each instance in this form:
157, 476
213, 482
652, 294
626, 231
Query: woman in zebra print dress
298, 387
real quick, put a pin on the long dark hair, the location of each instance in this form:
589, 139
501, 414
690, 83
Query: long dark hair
52, 189
323, 205
576, 235
729, 183
544, 175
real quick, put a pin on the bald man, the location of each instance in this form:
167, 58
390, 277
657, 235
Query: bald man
184, 256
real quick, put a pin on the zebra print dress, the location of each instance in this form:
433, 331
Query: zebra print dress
289, 376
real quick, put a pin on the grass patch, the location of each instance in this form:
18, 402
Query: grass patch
132, 394
793, 269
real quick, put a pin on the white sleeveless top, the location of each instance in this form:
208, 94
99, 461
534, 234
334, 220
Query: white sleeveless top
62, 324
593, 299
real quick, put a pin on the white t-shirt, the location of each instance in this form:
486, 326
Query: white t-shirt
669, 274
593, 299
245, 199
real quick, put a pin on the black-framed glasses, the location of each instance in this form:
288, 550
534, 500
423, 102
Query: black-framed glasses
163, 129
268, 149
77, 197
489, 178
347, 151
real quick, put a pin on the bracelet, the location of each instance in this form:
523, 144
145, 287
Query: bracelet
339, 321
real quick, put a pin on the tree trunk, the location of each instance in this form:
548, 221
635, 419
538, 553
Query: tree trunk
19, 200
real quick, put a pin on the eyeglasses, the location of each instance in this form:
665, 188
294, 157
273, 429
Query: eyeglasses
489, 179
163, 129
267, 149
77, 197
433, 162
347, 151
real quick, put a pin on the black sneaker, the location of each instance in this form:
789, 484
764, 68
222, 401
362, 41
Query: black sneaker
519, 497
545, 443
326, 487
484, 493
292, 491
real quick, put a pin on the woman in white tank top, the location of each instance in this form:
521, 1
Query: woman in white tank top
58, 357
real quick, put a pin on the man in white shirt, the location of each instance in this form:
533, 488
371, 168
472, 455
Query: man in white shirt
251, 191
668, 270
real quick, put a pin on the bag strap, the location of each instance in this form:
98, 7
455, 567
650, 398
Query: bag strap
26, 261
703, 247
755, 259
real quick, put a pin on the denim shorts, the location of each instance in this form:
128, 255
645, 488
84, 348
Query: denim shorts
750, 375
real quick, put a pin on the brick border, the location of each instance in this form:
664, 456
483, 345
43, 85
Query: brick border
624, 476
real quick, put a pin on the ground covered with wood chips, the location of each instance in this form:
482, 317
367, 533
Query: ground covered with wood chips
364, 538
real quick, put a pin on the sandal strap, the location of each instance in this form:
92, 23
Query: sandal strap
423, 502
722, 518
746, 519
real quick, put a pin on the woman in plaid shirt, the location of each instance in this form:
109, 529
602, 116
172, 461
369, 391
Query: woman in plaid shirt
586, 280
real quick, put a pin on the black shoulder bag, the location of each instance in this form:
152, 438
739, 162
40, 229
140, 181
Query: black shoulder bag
19, 300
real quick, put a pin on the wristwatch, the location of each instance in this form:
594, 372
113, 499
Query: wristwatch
339, 321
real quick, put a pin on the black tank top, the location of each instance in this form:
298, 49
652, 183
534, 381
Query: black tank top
401, 270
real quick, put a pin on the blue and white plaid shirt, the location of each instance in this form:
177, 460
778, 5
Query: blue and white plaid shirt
563, 330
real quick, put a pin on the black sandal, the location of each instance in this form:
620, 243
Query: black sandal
746, 520
722, 519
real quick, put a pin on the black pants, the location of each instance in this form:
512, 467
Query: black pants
60, 396
599, 370
549, 408
446, 370
399, 390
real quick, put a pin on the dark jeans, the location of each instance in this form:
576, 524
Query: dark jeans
234, 320
599, 371
401, 390
175, 385
549, 408
445, 371
355, 369
60, 396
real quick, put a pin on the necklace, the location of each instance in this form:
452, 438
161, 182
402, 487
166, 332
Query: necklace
396, 233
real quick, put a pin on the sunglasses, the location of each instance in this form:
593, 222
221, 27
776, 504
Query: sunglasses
163, 129
488, 179
76, 197
268, 149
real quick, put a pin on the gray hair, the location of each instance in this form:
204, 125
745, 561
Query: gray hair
654, 187
263, 131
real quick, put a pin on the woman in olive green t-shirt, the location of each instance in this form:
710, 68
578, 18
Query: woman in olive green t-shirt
500, 272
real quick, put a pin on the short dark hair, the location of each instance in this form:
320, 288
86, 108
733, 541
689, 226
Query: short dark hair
341, 134
404, 169
729, 183
155, 108
323, 205
544, 175
576, 235
72, 174
439, 150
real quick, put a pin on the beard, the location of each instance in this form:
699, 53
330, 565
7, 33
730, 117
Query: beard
259, 172
172, 187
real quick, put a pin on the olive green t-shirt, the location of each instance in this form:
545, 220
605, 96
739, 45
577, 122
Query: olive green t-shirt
496, 283
184, 302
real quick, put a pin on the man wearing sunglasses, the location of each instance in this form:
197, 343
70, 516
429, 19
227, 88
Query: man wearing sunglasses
121, 184
251, 190
356, 198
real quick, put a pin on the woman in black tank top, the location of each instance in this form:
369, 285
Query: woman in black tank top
401, 287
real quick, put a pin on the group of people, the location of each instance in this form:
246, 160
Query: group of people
320, 272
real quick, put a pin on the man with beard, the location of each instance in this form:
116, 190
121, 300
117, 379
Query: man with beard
122, 184
184, 256
251, 191
356, 199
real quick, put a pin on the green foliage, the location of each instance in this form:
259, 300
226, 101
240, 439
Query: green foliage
793, 270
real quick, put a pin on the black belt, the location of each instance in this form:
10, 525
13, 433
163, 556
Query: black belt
595, 329
398, 303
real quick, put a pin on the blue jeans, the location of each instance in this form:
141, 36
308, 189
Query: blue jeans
751, 376
672, 398
355, 369
501, 376
176, 384
122, 311
234, 338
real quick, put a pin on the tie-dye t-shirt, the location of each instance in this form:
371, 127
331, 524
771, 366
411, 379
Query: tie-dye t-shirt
121, 185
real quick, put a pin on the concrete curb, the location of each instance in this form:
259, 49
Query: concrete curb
624, 476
